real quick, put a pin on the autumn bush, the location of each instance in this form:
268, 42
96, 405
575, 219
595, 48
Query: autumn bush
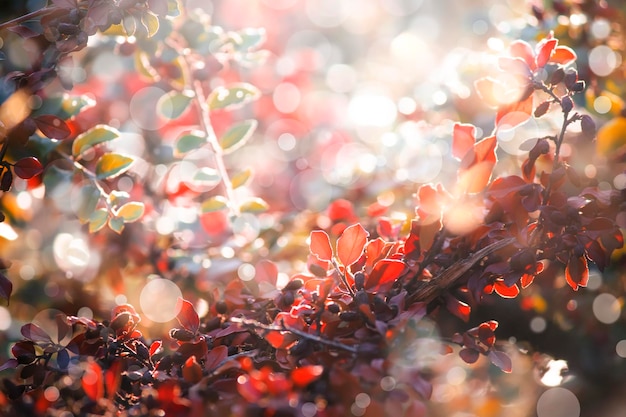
188, 233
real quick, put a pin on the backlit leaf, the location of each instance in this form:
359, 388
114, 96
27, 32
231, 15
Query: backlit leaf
189, 141
254, 205
304, 375
232, 97
501, 360
72, 105
511, 115
238, 135
206, 177
215, 203
320, 245
116, 224
95, 136
111, 165
52, 126
131, 212
187, 316
151, 23
351, 243
463, 138
88, 198
577, 272
384, 274
563, 55
92, 381
173, 104
241, 178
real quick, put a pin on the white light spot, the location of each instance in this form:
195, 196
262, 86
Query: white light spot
159, 299
602, 104
538, 324
620, 348
603, 60
600, 28
120, 299
606, 308
246, 272
85, 312
286, 97
553, 375
143, 108
620, 181
5, 319
286, 141
341, 78
362, 400
595, 280
558, 402
456, 375
388, 383
406, 105
372, 110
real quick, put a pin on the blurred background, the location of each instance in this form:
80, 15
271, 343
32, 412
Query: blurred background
358, 102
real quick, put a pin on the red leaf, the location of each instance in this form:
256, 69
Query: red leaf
92, 382
469, 355
383, 275
351, 243
577, 272
504, 291
458, 308
6, 287
341, 210
266, 271
563, 55
155, 347
27, 167
546, 47
514, 114
187, 317
216, 356
113, 378
320, 245
412, 247
463, 138
304, 375
52, 126
192, 371
501, 360
374, 251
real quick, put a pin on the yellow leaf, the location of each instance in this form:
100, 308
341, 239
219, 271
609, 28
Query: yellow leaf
611, 136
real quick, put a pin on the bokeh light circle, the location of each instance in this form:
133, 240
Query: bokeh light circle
5, 319
53, 323
606, 308
159, 300
603, 60
620, 348
558, 402
143, 108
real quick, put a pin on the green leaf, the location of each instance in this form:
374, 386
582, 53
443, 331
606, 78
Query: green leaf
131, 212
88, 198
98, 219
232, 97
206, 177
254, 205
111, 165
173, 8
216, 203
116, 224
92, 137
72, 105
116, 197
238, 135
189, 141
174, 103
151, 23
241, 178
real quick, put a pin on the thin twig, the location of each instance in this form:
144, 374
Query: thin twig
342, 276
284, 328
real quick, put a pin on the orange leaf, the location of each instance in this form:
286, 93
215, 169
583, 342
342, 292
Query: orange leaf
563, 55
320, 245
112, 378
384, 274
489, 90
192, 371
351, 243
504, 291
463, 138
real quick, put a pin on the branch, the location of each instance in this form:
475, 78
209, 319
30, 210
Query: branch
253, 324
435, 287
